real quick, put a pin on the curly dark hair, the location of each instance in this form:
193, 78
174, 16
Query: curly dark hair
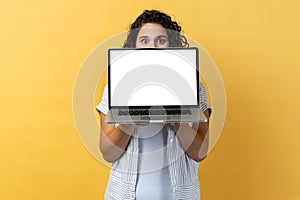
155, 16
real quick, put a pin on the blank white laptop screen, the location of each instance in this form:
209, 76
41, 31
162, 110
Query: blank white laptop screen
153, 77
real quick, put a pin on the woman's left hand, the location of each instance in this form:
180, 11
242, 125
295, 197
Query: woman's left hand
176, 126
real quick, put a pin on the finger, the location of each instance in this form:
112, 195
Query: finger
174, 124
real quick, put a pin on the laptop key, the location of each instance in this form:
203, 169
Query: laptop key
156, 112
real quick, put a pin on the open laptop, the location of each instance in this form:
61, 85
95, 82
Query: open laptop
153, 85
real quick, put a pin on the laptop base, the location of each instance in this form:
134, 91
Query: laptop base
113, 117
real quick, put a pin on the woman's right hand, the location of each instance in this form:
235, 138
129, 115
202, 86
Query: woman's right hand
114, 140
127, 128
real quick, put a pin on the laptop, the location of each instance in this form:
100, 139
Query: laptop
153, 85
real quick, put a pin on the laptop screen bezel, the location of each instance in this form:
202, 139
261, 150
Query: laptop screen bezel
153, 106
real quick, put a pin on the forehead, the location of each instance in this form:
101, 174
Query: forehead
152, 30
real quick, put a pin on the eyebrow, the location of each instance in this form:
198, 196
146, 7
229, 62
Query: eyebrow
159, 36
143, 36
164, 36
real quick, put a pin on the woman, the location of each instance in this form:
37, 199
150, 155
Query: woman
154, 161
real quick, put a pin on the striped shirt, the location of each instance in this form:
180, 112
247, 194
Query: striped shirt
183, 171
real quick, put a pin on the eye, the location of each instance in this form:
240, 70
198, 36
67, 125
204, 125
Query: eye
161, 41
144, 41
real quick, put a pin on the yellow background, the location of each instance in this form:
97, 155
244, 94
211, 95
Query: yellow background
255, 45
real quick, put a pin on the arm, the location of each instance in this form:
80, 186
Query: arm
194, 140
114, 140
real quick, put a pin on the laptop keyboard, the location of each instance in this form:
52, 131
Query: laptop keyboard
156, 112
